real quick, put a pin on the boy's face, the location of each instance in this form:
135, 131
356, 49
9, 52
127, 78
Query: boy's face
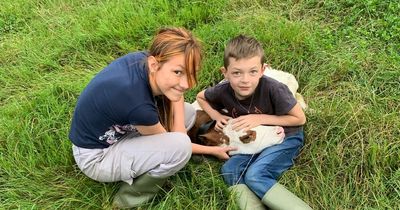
243, 75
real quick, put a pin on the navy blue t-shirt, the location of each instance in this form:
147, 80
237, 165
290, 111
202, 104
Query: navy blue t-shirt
116, 99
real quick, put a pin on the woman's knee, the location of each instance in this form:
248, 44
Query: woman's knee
176, 153
190, 116
181, 146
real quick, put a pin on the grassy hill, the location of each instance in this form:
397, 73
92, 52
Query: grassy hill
345, 54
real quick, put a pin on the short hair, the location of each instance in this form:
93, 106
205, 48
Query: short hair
243, 46
172, 41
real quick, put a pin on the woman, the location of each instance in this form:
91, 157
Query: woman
130, 121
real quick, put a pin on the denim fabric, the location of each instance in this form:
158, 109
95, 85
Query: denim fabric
261, 171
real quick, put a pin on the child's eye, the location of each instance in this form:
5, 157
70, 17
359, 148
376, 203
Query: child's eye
236, 73
253, 72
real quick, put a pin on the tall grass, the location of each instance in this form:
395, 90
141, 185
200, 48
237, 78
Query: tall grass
345, 54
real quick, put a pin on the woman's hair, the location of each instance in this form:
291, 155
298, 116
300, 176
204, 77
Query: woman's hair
167, 43
243, 47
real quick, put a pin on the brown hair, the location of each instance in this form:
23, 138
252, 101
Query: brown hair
167, 43
243, 47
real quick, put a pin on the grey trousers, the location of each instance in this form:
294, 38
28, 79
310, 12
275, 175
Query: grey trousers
160, 155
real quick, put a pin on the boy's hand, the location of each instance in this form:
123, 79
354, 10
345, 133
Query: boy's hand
222, 152
221, 122
245, 122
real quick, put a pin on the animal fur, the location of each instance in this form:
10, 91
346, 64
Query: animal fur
289, 80
247, 142
254, 140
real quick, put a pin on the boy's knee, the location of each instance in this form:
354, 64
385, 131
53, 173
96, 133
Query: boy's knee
252, 180
226, 169
229, 175
253, 177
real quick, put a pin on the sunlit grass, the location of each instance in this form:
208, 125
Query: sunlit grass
346, 56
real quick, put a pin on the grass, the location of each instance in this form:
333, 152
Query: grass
345, 54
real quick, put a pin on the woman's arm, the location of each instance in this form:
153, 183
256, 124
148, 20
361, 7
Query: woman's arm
178, 108
217, 151
150, 130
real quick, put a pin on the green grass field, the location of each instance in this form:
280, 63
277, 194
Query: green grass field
345, 54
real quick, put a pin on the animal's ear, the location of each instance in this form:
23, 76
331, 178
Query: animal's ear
201, 139
212, 138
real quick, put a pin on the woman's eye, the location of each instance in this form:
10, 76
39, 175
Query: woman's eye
254, 72
236, 73
178, 72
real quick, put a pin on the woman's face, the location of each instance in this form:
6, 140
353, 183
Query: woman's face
170, 78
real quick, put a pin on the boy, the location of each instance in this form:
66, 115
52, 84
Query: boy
253, 99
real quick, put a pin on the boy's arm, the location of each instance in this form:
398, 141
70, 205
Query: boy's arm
201, 99
294, 117
221, 120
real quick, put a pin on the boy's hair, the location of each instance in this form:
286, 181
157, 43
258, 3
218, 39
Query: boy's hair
243, 47
167, 43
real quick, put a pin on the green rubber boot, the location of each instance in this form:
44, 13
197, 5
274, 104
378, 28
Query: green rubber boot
279, 198
245, 198
142, 190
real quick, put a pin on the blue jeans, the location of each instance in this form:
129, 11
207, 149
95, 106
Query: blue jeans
261, 171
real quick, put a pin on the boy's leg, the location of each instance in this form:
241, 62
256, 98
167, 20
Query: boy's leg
278, 197
245, 198
234, 169
271, 163
233, 172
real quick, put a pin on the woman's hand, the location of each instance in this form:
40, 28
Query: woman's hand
221, 152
